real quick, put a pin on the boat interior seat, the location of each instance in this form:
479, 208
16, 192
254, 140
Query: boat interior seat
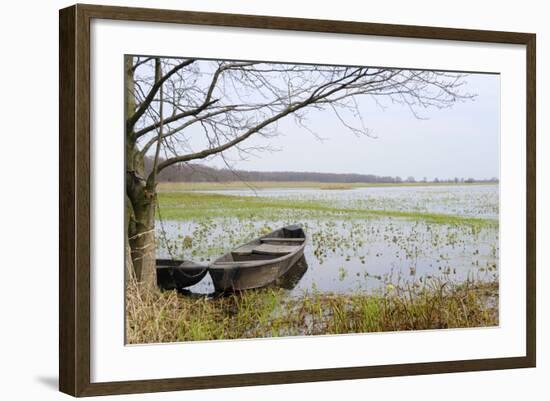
270, 249
245, 249
282, 240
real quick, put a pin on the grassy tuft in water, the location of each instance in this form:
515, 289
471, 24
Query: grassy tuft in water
190, 205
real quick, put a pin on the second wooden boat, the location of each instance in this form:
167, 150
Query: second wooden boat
259, 262
178, 274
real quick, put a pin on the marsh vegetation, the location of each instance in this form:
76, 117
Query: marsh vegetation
378, 258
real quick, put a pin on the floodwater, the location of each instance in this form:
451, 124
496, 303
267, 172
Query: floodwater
461, 200
350, 255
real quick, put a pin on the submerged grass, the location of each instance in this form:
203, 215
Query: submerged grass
190, 205
154, 316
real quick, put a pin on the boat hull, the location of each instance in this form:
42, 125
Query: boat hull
178, 274
244, 278
237, 272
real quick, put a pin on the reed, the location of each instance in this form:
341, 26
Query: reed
156, 317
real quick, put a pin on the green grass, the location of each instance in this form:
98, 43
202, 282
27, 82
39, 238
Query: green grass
194, 205
155, 316
205, 186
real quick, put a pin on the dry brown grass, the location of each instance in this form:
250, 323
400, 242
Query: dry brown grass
154, 316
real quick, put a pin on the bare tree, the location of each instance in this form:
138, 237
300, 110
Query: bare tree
169, 99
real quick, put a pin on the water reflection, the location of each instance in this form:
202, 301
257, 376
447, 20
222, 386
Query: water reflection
292, 277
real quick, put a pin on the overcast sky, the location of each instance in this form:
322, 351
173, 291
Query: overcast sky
462, 141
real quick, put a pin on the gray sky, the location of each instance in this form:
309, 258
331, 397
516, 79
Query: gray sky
461, 141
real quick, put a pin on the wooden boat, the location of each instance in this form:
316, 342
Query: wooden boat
259, 262
178, 274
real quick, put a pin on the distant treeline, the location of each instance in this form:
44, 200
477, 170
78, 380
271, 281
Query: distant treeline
198, 173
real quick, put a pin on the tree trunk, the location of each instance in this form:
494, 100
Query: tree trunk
140, 201
129, 218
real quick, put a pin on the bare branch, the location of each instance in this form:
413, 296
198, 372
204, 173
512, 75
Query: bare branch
223, 103
147, 101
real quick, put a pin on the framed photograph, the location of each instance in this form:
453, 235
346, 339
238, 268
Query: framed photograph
250, 200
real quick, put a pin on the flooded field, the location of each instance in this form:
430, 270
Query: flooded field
359, 239
376, 259
462, 200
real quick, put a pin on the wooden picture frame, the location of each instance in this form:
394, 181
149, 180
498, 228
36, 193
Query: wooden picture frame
75, 207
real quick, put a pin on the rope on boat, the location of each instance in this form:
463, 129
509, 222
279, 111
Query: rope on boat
163, 232
166, 245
